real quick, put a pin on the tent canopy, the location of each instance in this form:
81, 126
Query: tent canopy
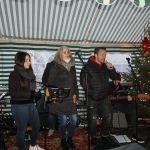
75, 21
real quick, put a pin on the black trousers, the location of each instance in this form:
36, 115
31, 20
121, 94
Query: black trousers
100, 109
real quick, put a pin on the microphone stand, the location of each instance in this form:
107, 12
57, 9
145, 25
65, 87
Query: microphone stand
137, 90
42, 113
87, 100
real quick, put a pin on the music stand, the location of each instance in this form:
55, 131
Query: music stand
138, 89
87, 99
58, 94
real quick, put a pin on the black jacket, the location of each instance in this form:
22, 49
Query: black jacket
56, 75
97, 79
19, 95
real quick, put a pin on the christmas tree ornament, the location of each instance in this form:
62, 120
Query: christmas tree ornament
141, 3
146, 46
106, 2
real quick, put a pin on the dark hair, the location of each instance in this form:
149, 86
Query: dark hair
118, 76
97, 49
20, 58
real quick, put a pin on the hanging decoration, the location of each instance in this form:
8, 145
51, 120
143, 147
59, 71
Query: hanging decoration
146, 42
146, 46
141, 3
106, 2
138, 3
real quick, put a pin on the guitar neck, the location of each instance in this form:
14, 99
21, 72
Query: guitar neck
118, 98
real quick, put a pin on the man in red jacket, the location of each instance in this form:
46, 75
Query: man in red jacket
94, 79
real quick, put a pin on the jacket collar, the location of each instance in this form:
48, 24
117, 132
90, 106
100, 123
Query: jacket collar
92, 59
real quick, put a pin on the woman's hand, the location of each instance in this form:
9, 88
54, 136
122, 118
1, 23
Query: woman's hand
74, 98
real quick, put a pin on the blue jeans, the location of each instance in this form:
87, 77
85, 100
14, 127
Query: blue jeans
67, 125
24, 114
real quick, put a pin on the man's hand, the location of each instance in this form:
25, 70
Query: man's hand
129, 98
109, 65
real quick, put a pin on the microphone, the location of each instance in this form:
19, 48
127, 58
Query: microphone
128, 60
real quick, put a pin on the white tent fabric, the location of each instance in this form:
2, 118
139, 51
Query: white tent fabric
82, 21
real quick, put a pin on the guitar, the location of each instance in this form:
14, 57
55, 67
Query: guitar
140, 96
118, 98
144, 96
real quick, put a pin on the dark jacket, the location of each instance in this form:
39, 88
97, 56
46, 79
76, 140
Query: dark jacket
97, 79
19, 95
56, 75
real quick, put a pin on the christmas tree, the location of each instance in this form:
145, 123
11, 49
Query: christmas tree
140, 62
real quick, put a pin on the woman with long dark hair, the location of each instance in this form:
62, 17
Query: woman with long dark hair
21, 87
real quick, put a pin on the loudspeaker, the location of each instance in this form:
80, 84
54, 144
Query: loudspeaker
131, 146
119, 120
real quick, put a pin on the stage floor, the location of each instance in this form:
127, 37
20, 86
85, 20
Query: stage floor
80, 139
